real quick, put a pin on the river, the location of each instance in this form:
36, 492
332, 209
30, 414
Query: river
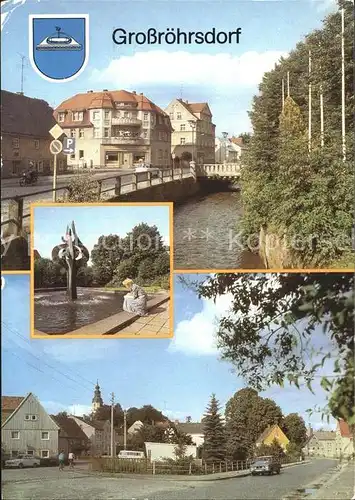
206, 232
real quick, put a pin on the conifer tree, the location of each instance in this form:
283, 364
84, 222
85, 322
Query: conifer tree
214, 432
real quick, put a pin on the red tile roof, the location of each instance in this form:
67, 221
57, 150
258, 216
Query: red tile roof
106, 99
344, 429
11, 402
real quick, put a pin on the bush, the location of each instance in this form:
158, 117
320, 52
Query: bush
83, 189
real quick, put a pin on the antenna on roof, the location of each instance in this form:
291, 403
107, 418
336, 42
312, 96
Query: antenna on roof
23, 58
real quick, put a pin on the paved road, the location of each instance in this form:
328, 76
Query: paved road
51, 484
11, 187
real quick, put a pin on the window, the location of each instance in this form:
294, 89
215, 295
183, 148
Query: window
61, 117
31, 417
16, 154
182, 140
81, 132
72, 132
96, 115
45, 435
36, 144
72, 157
178, 116
126, 114
171, 116
145, 117
96, 132
16, 143
106, 132
182, 128
77, 116
160, 154
15, 434
107, 115
81, 153
30, 452
44, 453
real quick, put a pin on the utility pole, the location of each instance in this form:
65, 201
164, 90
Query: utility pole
124, 429
321, 116
309, 102
288, 84
112, 430
343, 83
283, 93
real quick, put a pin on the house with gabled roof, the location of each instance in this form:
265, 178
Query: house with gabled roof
71, 436
193, 429
270, 434
99, 434
193, 134
27, 428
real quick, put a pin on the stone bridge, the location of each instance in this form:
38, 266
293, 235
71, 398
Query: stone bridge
219, 170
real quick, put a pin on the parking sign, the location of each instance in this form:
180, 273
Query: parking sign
69, 146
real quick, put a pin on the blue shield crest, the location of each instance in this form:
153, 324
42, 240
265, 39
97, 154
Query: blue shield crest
59, 45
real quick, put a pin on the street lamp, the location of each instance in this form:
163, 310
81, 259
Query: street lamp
193, 128
225, 135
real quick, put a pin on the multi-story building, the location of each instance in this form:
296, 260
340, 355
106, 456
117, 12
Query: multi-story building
27, 428
194, 133
98, 433
25, 138
115, 129
229, 150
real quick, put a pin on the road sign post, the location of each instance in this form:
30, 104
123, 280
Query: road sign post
55, 148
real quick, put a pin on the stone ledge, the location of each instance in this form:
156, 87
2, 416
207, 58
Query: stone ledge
111, 325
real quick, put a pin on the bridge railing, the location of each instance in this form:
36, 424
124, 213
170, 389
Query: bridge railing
219, 169
16, 209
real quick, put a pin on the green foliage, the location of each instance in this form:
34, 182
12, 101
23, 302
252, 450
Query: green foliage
295, 316
106, 257
104, 413
146, 270
275, 449
305, 199
48, 274
294, 451
247, 416
83, 188
147, 415
295, 429
214, 432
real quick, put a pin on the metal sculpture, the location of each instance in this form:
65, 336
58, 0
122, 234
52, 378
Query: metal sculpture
71, 254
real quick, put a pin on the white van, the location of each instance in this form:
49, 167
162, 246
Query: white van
131, 454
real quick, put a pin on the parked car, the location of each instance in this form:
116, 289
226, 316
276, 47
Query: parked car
265, 465
23, 461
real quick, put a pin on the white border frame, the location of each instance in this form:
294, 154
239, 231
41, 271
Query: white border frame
56, 16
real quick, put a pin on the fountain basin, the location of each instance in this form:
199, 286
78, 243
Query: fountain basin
54, 313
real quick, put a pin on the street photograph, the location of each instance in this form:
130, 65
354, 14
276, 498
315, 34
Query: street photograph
255, 388
100, 269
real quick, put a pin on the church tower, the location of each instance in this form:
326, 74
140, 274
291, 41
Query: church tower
97, 399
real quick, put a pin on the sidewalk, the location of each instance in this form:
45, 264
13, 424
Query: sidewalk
157, 322
340, 486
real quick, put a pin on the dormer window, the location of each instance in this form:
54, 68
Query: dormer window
61, 117
78, 116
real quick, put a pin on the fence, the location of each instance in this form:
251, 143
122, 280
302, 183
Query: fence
145, 466
18, 207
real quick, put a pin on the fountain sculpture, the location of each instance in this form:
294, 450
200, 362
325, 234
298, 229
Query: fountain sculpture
71, 254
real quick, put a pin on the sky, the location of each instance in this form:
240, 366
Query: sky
50, 223
177, 376
225, 76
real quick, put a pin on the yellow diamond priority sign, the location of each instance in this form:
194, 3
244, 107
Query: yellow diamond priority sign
56, 131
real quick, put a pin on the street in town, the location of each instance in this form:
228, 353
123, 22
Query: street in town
52, 484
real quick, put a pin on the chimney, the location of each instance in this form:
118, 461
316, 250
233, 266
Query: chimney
141, 93
90, 91
188, 420
105, 90
134, 92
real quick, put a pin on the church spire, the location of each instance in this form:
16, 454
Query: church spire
97, 401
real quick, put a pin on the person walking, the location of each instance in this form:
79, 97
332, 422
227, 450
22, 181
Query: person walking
61, 460
71, 458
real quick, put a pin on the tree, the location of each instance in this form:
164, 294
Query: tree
214, 432
147, 414
315, 191
247, 416
104, 413
276, 321
48, 274
106, 257
186, 156
246, 137
143, 241
162, 264
146, 270
180, 451
295, 429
